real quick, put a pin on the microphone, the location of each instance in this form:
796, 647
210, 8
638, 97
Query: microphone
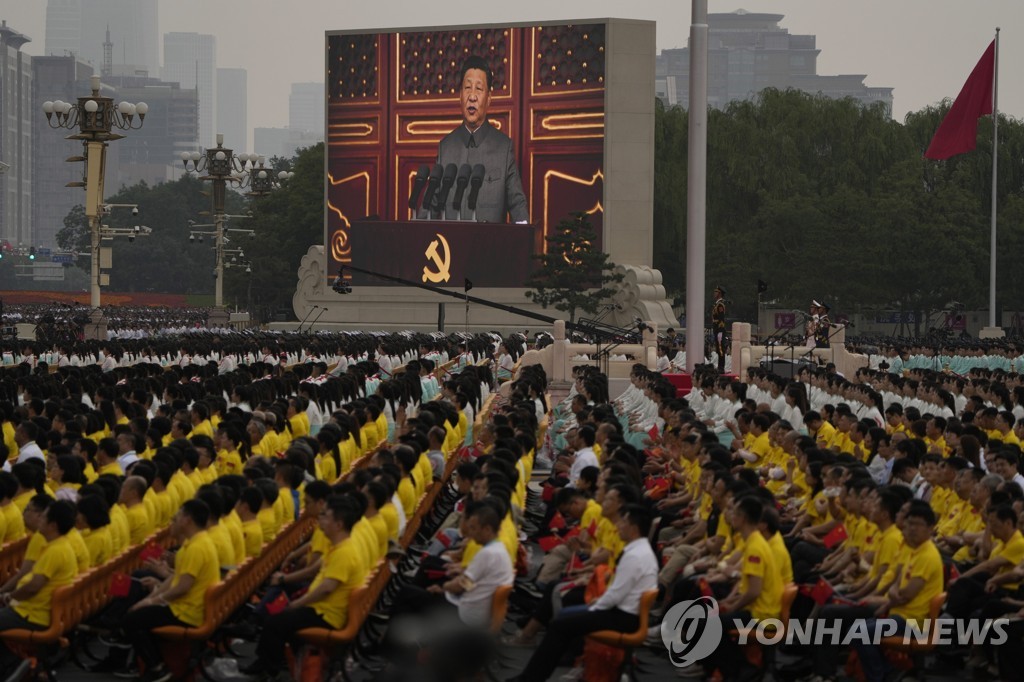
476, 181
447, 180
432, 182
460, 185
417, 186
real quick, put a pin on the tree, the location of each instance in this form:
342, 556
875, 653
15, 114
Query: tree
286, 223
572, 275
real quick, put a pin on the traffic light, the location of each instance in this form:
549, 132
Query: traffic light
32, 253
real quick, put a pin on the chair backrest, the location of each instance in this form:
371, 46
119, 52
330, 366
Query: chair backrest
646, 602
499, 607
934, 608
788, 597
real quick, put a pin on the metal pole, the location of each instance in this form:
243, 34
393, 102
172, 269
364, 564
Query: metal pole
95, 151
219, 288
995, 156
696, 185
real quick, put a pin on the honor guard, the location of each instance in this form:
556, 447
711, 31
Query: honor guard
823, 327
718, 325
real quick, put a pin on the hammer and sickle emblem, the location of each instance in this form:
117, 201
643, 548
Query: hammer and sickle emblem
441, 261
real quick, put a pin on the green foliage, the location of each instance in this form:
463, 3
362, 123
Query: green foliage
828, 199
572, 275
286, 223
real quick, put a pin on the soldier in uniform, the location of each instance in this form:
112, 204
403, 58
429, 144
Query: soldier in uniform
718, 325
811, 324
823, 328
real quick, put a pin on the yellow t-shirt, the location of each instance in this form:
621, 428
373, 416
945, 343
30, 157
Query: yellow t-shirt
203, 428
380, 529
342, 565
222, 542
57, 563
782, 559
326, 467
197, 558
608, 538
229, 462
1013, 551
140, 525
407, 494
300, 425
21, 501
319, 543
233, 525
390, 514
887, 552
758, 560
363, 533
112, 468
81, 551
926, 563
762, 448
268, 523
591, 519
36, 545
252, 532
287, 502
99, 545
120, 531
14, 523
349, 453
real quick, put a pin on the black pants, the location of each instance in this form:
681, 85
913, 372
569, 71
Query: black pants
689, 588
279, 630
968, 595
805, 557
826, 655
138, 626
12, 620
413, 599
567, 628
728, 657
545, 610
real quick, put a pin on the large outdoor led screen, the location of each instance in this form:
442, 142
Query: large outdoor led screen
507, 122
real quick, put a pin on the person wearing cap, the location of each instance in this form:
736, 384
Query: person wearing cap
823, 327
718, 325
812, 322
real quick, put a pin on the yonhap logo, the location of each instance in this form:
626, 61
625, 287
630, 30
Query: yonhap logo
691, 631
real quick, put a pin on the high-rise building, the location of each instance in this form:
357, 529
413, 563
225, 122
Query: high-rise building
231, 108
80, 27
63, 78
306, 107
283, 142
748, 52
190, 59
151, 154
17, 118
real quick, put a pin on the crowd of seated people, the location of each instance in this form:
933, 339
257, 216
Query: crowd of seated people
869, 497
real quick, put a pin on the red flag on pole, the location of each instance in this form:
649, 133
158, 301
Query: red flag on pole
958, 132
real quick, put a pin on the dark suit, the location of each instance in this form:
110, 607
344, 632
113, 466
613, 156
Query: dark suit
502, 192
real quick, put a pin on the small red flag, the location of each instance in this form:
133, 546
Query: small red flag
835, 536
277, 605
151, 551
821, 592
958, 132
120, 585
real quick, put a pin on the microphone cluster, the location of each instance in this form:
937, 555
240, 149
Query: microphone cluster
432, 186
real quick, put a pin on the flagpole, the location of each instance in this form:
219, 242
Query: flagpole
995, 156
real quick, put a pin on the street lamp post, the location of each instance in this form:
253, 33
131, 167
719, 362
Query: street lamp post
222, 166
94, 117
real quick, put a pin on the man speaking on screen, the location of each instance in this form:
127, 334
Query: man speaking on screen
500, 196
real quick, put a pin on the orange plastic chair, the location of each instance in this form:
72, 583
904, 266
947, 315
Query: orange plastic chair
499, 608
629, 640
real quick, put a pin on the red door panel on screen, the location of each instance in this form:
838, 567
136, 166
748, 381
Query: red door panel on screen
393, 97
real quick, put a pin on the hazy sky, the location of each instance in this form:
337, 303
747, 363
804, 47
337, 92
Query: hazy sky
922, 48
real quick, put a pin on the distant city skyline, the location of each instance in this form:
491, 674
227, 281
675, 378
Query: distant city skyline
924, 49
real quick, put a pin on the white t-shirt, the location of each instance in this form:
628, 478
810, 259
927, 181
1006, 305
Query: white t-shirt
584, 458
489, 569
